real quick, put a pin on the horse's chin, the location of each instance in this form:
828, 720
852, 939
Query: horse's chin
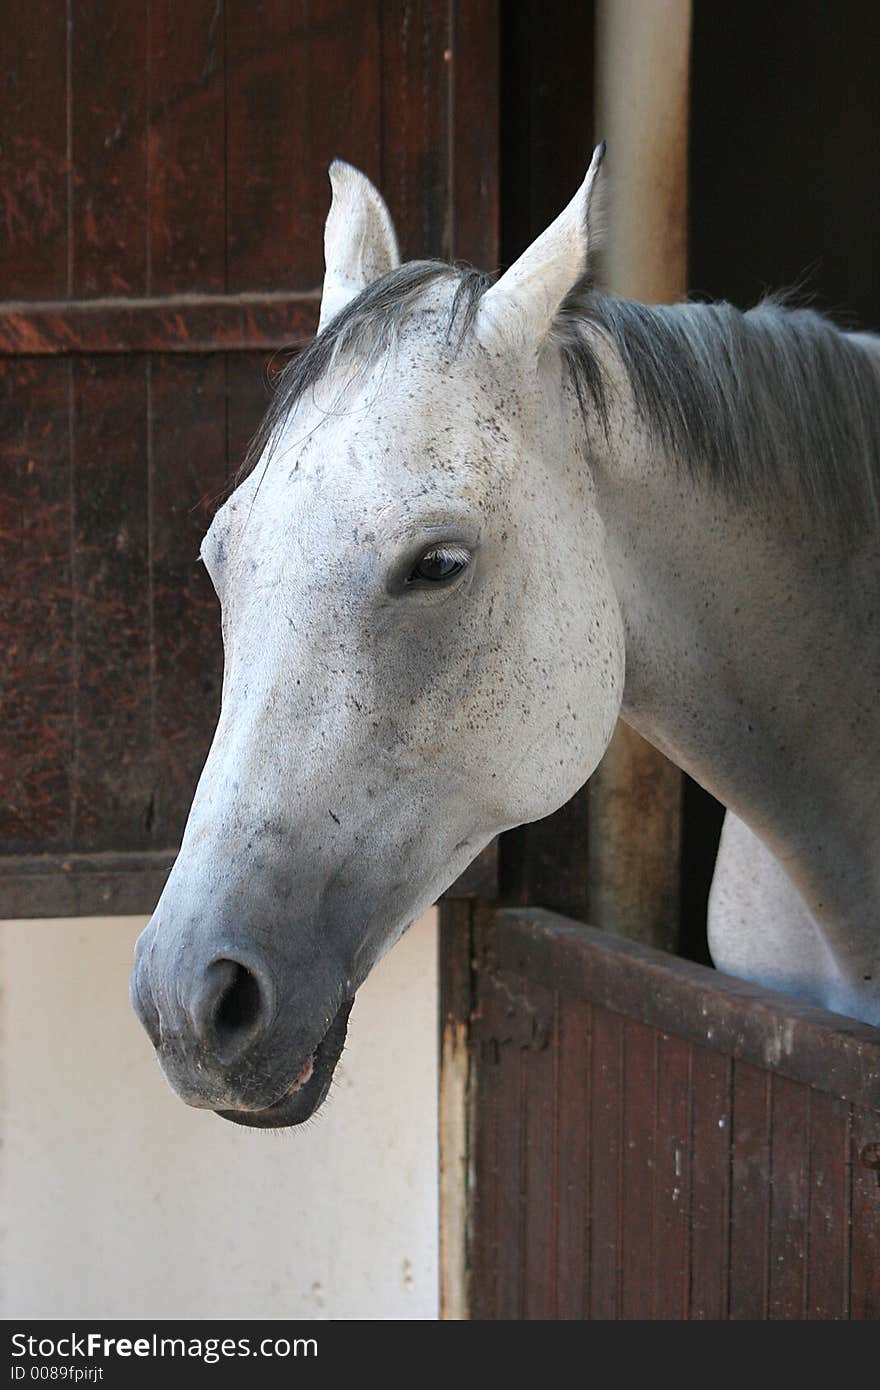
309, 1088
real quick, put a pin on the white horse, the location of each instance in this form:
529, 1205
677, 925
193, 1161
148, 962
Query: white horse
481, 522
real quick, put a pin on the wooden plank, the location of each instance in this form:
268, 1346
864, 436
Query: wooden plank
108, 73
457, 1106
83, 885
710, 1150
540, 1166
574, 1070
177, 323
828, 1208
773, 1031
284, 127
113, 773
33, 150
789, 1199
76, 885
474, 133
488, 1152
186, 153
499, 1282
715, 1188
606, 1158
639, 1102
750, 1194
416, 176
36, 637
865, 1215
672, 1180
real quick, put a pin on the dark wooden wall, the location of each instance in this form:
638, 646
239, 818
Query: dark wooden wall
163, 176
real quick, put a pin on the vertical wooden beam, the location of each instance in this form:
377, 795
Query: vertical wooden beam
454, 944
642, 72
471, 96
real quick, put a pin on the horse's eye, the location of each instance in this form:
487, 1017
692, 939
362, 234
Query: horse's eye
439, 565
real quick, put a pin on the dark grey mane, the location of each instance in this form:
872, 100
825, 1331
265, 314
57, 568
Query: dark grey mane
774, 403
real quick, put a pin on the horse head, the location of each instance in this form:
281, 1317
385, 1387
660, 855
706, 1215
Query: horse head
422, 648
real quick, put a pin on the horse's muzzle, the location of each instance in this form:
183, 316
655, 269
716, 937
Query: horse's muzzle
223, 1041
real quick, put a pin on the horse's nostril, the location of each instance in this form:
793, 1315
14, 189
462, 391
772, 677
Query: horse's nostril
240, 1003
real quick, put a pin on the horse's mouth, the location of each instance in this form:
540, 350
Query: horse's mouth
309, 1087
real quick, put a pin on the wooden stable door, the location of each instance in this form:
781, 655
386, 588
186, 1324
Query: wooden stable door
163, 174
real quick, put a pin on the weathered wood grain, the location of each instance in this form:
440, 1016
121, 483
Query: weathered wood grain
685, 1148
189, 322
162, 231
35, 175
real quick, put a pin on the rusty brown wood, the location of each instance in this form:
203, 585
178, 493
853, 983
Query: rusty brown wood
186, 74
111, 674
305, 84
164, 203
417, 167
37, 636
605, 1128
767, 1030
540, 1176
173, 323
472, 56
673, 1178
750, 1194
724, 1140
864, 1225
789, 1198
709, 1161
108, 243
34, 164
829, 1208
500, 1037
637, 1170
573, 1070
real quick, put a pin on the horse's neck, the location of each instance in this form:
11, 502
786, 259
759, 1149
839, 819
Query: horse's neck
753, 662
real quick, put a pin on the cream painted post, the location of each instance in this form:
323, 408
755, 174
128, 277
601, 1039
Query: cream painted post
642, 72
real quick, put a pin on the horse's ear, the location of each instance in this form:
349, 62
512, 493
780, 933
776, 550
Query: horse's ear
360, 243
525, 301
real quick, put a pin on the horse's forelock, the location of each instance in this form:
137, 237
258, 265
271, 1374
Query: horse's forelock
371, 321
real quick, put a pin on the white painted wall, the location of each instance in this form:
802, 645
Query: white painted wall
119, 1201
